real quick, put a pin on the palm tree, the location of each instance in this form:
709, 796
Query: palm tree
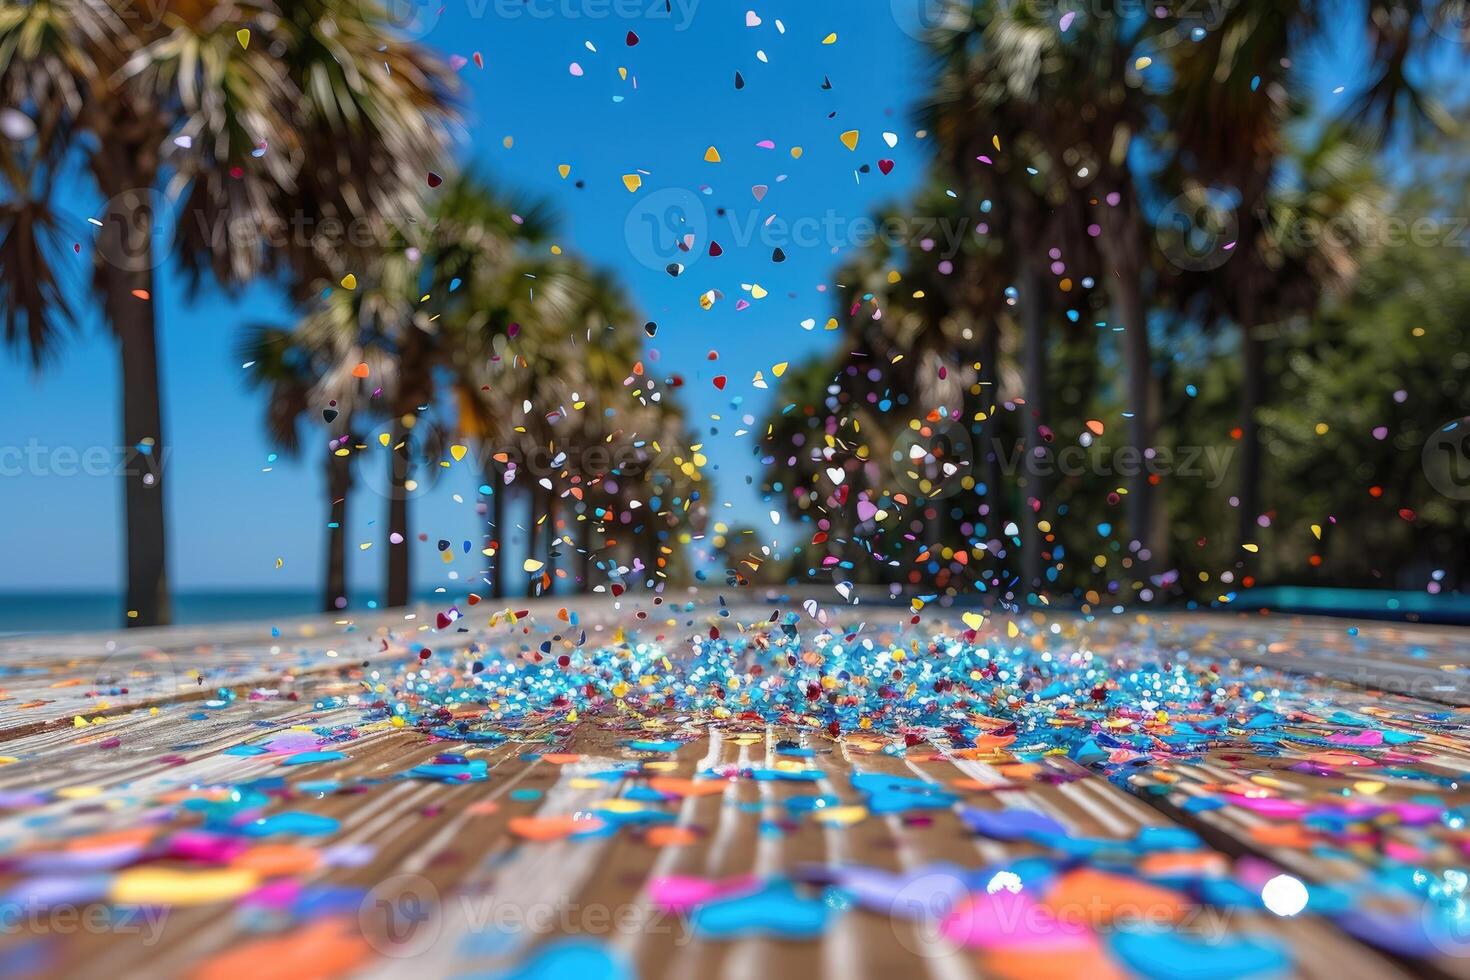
324, 117
404, 318
580, 345
484, 240
1009, 127
489, 377
1045, 116
292, 377
1233, 105
602, 343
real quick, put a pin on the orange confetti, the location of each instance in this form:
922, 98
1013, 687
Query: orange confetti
1284, 835
1048, 963
275, 860
1115, 896
552, 828
975, 785
325, 948
674, 786
1167, 863
136, 837
671, 836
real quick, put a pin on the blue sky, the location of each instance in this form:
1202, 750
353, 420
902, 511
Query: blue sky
234, 513
231, 519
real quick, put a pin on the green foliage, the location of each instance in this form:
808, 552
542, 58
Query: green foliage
1395, 354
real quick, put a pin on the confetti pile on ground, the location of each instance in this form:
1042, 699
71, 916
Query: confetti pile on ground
680, 789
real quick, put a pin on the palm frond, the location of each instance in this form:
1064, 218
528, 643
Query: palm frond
31, 289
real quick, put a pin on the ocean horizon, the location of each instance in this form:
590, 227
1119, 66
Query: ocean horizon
69, 612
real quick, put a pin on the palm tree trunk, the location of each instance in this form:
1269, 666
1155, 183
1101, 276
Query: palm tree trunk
533, 534
1033, 327
1252, 396
1137, 368
125, 273
553, 542
1122, 247
497, 518
339, 484
400, 463
989, 436
584, 543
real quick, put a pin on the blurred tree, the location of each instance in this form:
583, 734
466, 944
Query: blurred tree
292, 378
327, 117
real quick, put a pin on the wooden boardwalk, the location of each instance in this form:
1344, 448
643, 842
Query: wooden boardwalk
102, 792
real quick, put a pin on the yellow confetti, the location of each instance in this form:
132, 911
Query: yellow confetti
170, 886
243, 36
